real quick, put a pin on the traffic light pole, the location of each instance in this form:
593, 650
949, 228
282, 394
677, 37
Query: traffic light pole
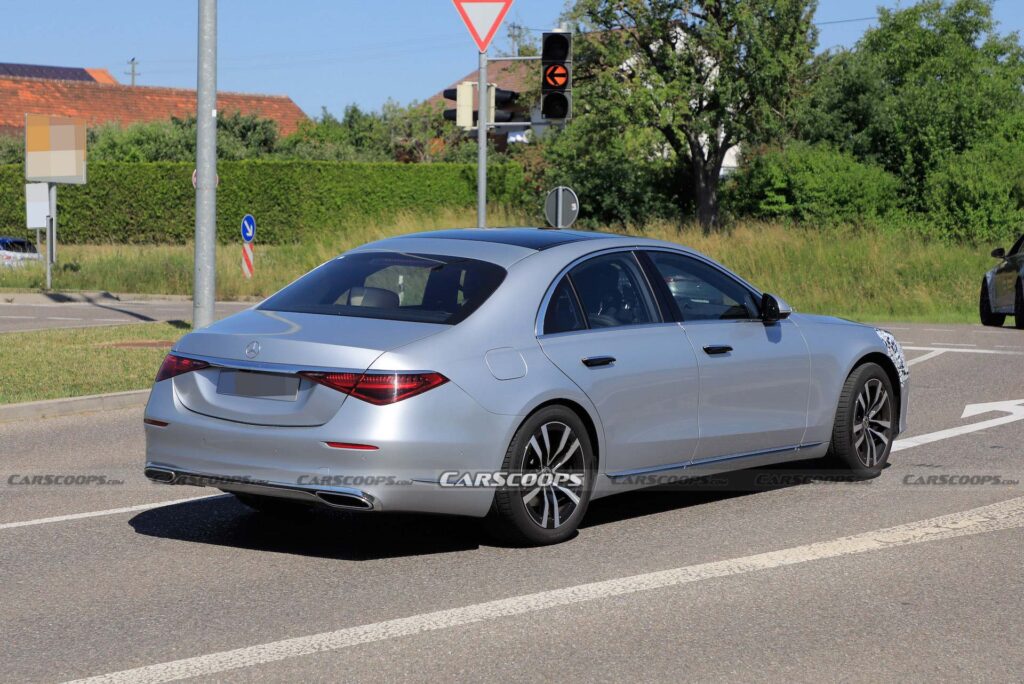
481, 140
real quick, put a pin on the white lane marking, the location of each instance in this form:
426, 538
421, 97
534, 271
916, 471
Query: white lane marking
953, 344
1013, 408
32, 317
61, 318
1007, 514
1008, 346
925, 357
957, 350
97, 514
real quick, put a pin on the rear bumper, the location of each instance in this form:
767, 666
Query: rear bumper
417, 440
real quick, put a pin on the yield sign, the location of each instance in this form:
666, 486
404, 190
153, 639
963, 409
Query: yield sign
482, 18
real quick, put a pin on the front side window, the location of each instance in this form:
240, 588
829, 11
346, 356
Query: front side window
613, 292
702, 292
1017, 247
423, 288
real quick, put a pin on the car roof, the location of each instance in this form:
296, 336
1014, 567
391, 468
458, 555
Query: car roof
506, 246
537, 239
8, 238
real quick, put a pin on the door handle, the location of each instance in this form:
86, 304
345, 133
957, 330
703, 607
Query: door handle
597, 361
717, 349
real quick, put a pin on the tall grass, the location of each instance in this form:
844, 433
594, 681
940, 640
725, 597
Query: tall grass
860, 275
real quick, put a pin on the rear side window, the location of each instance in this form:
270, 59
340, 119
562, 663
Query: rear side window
563, 314
613, 291
423, 288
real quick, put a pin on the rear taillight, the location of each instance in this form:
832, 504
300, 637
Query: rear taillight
379, 388
176, 365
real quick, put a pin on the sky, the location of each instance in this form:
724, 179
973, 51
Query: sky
326, 53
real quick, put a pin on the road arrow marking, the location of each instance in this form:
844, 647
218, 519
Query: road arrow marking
957, 350
1014, 410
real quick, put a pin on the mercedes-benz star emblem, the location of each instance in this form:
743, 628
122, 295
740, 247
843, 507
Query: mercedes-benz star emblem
253, 350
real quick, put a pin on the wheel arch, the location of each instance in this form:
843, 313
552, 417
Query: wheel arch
585, 418
889, 367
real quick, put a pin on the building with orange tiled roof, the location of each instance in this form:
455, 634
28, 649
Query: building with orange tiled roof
94, 95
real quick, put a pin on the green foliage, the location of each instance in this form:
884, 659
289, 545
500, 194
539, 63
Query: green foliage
815, 183
931, 81
12, 149
705, 75
617, 171
978, 195
238, 137
155, 203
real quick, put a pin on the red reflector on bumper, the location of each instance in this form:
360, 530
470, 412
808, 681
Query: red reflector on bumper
153, 421
355, 447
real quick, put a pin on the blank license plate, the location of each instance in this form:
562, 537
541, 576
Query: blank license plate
258, 385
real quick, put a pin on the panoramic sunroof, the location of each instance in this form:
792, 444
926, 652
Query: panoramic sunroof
520, 237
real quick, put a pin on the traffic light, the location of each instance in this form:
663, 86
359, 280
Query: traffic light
502, 107
463, 114
556, 80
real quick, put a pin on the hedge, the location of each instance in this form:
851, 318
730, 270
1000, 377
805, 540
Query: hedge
155, 202
812, 183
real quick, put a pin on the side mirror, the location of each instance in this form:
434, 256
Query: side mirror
998, 253
774, 309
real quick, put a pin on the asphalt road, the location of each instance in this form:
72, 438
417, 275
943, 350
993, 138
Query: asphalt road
39, 316
816, 581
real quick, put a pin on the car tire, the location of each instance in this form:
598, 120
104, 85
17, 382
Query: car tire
1018, 306
273, 506
866, 421
537, 516
988, 318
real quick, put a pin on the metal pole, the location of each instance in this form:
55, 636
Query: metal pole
205, 283
51, 236
558, 208
481, 140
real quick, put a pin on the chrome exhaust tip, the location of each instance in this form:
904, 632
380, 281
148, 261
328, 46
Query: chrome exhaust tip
346, 501
161, 475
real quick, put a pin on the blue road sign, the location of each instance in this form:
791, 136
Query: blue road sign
248, 228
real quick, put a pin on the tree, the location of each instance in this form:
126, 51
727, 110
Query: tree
706, 74
931, 81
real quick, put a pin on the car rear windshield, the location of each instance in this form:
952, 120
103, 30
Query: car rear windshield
423, 288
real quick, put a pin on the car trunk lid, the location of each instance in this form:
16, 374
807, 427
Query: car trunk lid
255, 357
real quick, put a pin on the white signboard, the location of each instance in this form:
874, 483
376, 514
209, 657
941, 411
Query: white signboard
37, 204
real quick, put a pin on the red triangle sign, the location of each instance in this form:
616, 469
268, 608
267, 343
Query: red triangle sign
482, 18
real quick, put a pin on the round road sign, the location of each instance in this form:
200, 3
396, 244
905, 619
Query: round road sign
562, 207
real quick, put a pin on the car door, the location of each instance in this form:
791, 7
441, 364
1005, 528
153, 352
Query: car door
1006, 276
754, 378
602, 328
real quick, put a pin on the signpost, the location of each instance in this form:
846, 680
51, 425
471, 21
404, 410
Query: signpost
37, 209
54, 153
248, 235
562, 207
482, 18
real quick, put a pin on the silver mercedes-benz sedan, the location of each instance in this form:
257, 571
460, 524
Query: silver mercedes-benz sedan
1002, 289
516, 374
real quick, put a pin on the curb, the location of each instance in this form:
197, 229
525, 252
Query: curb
102, 298
53, 408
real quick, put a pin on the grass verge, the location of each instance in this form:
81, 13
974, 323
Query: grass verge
863, 275
56, 364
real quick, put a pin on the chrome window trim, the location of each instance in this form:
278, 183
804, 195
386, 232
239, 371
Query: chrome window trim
538, 326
